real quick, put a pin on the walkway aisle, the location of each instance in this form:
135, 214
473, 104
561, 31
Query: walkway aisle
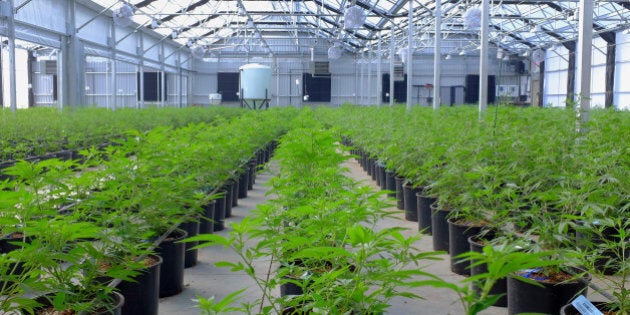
207, 280
436, 301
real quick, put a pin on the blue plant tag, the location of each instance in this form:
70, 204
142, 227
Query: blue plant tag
585, 307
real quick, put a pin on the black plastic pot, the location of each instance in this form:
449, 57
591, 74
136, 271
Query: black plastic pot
114, 309
400, 204
206, 223
377, 173
142, 296
439, 229
260, 157
290, 288
546, 299
458, 235
10, 242
172, 268
13, 271
220, 208
409, 202
235, 192
191, 255
243, 182
369, 166
252, 174
268, 154
229, 192
373, 163
383, 178
364, 158
500, 287
390, 183
424, 212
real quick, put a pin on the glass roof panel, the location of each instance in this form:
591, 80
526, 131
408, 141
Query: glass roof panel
514, 22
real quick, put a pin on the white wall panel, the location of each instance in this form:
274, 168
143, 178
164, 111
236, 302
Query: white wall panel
95, 31
128, 44
47, 14
622, 72
21, 78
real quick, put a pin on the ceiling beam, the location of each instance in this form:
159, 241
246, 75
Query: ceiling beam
516, 37
183, 10
143, 4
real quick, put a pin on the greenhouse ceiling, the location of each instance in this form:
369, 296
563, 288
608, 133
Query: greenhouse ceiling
286, 26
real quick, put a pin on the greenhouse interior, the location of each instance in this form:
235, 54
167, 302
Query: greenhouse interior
315, 157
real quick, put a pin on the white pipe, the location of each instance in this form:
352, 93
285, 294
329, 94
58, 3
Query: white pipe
483, 58
410, 57
392, 57
11, 39
585, 40
113, 79
361, 89
369, 78
437, 55
379, 75
140, 88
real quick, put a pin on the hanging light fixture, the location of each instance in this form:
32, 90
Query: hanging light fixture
198, 51
335, 52
538, 55
472, 18
122, 15
353, 18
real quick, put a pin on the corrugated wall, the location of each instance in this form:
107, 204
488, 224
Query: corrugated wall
354, 80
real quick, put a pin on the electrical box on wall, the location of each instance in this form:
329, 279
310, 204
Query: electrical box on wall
507, 90
319, 68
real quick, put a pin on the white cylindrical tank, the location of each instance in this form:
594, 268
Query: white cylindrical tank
255, 82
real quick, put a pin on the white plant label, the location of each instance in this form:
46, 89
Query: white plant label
585, 307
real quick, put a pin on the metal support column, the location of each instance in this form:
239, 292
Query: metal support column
410, 57
483, 58
585, 42
114, 79
180, 83
11, 39
369, 77
379, 75
70, 63
140, 84
392, 59
437, 56
162, 81
361, 89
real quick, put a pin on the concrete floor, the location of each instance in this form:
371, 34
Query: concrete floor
207, 280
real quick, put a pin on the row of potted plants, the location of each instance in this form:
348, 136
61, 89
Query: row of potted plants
48, 132
319, 231
80, 231
519, 173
